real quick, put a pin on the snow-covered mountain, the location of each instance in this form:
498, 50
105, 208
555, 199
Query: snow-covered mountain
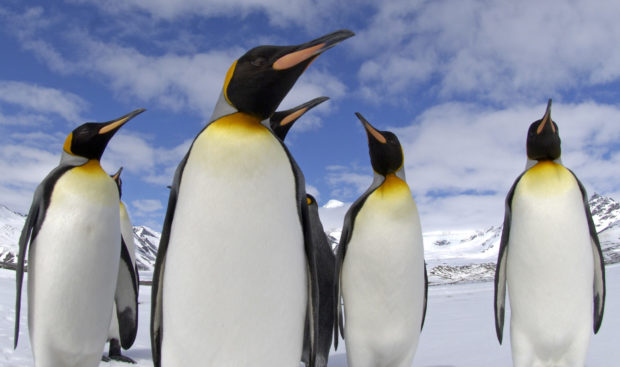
11, 224
451, 256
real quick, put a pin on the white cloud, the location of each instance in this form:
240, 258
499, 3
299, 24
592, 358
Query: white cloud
175, 82
131, 152
35, 98
348, 181
138, 156
502, 51
312, 190
311, 14
147, 205
23, 119
23, 167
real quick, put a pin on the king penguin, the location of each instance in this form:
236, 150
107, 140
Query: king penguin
281, 122
550, 258
124, 324
380, 270
73, 229
235, 267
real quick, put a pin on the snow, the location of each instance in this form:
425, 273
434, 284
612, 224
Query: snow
459, 329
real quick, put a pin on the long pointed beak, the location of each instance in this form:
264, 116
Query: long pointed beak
294, 113
116, 124
117, 174
310, 49
546, 119
370, 130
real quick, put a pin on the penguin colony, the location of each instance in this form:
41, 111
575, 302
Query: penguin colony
231, 290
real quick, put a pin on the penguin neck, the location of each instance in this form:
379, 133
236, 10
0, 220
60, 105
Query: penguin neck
67, 159
532, 162
222, 108
379, 178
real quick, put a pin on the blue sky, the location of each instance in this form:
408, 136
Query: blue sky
458, 81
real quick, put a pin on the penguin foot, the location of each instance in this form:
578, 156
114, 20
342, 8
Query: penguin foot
122, 358
105, 359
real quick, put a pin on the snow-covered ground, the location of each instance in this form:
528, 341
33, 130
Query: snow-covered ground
459, 329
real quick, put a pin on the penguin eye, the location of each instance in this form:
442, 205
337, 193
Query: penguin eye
259, 61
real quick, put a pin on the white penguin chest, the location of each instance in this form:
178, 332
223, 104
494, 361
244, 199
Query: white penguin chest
550, 266
383, 270
238, 187
82, 221
237, 249
549, 227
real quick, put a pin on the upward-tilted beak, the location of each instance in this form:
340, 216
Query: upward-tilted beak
117, 123
370, 130
298, 111
546, 119
311, 49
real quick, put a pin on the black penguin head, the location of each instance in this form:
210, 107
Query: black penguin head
543, 138
282, 121
117, 179
259, 80
386, 154
310, 200
90, 139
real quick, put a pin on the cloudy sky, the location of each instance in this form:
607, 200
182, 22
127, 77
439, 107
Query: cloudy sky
459, 81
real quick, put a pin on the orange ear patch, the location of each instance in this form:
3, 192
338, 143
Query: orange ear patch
67, 146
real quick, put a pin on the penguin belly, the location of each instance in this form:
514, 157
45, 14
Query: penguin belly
73, 264
549, 270
383, 280
234, 289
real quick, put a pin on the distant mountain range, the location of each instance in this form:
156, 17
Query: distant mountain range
451, 256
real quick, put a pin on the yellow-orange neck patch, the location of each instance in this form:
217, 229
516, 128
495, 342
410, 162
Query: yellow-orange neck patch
67, 146
238, 123
229, 75
92, 167
393, 186
546, 178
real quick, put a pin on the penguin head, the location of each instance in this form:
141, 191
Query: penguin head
310, 200
543, 138
282, 121
259, 80
89, 140
117, 179
386, 154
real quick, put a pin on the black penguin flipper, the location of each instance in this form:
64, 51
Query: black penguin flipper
313, 287
311, 256
24, 240
425, 296
325, 272
126, 298
345, 237
160, 264
500, 269
599, 264
34, 220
